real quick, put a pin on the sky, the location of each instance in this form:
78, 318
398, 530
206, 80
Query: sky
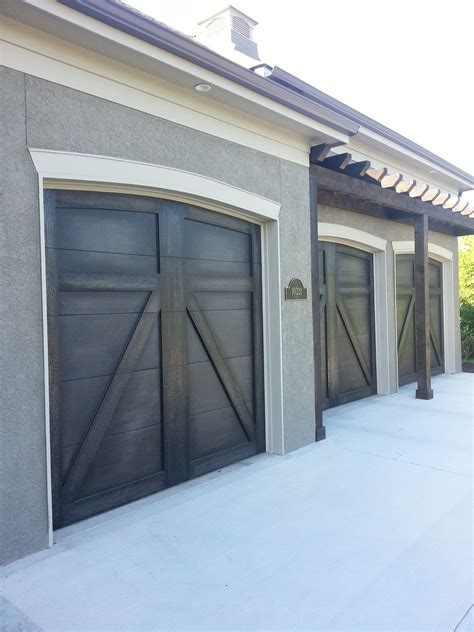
407, 64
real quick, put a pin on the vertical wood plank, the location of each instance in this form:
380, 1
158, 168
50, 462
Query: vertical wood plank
173, 336
320, 431
422, 309
331, 323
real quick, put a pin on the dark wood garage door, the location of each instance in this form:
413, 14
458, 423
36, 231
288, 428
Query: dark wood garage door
155, 346
405, 265
347, 324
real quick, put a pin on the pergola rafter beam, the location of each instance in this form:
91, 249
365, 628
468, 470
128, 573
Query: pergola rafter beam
389, 203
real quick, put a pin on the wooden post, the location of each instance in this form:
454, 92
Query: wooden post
320, 431
422, 309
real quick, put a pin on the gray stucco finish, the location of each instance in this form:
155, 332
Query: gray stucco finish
297, 330
67, 120
59, 118
23, 515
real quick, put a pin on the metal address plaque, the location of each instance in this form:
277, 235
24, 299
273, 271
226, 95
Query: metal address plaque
295, 291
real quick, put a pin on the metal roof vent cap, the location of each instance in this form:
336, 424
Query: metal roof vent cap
230, 33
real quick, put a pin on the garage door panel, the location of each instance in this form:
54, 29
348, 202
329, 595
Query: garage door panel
435, 313
79, 399
406, 318
105, 262
224, 300
352, 379
123, 425
360, 318
102, 231
405, 272
351, 269
140, 405
232, 331
205, 241
324, 377
210, 268
215, 431
348, 355
348, 336
151, 356
94, 302
91, 345
435, 272
124, 458
206, 392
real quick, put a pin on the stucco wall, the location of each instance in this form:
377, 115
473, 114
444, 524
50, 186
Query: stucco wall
43, 115
23, 515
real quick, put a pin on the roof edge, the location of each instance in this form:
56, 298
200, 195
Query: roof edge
128, 20
284, 78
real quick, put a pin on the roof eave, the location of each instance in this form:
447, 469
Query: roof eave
127, 20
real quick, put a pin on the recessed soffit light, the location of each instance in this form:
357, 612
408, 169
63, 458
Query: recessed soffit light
202, 87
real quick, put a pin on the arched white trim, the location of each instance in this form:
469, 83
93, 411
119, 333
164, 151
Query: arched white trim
54, 166
435, 251
351, 236
362, 240
445, 256
101, 173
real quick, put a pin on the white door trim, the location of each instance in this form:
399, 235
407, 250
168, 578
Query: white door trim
362, 240
444, 256
101, 173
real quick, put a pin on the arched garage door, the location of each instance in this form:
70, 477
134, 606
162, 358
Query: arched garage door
347, 324
155, 338
405, 268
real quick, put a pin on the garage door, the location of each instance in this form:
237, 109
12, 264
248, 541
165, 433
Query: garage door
406, 318
347, 324
155, 344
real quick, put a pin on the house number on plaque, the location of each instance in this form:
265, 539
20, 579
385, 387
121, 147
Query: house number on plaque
295, 290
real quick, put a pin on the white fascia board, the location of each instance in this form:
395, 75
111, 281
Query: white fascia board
382, 152
69, 25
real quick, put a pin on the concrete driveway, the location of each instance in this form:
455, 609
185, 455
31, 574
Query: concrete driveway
371, 529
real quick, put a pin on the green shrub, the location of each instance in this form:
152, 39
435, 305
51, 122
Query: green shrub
466, 295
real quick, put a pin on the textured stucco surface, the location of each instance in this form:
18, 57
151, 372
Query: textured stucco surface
295, 252
23, 515
68, 120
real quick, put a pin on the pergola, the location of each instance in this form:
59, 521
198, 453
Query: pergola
336, 180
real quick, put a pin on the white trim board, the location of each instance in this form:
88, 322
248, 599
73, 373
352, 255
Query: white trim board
338, 233
444, 256
81, 171
347, 235
71, 168
408, 247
